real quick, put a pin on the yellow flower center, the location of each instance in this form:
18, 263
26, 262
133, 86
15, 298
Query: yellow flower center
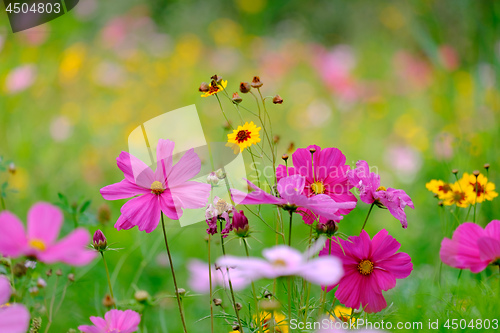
317, 187
37, 244
279, 263
222, 206
381, 188
365, 267
157, 187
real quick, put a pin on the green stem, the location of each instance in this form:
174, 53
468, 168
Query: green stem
475, 204
179, 304
323, 298
240, 328
109, 280
253, 290
211, 290
289, 280
290, 230
51, 308
366, 219
3, 202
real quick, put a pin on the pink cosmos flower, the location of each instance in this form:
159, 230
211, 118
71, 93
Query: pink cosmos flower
370, 266
329, 177
166, 190
371, 192
199, 280
114, 321
44, 224
219, 209
14, 318
282, 260
20, 78
291, 191
472, 247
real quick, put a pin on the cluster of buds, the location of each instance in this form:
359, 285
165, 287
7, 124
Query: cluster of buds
329, 228
214, 177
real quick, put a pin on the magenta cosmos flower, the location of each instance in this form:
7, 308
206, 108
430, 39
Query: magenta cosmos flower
472, 247
14, 318
371, 192
291, 198
199, 280
114, 321
282, 260
370, 266
166, 190
329, 177
44, 224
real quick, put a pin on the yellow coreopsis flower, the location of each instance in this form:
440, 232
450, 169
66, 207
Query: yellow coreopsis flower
480, 188
343, 313
244, 136
274, 322
438, 187
215, 88
459, 195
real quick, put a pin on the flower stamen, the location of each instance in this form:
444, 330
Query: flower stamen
365, 267
37, 244
157, 187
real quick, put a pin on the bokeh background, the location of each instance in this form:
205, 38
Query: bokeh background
409, 86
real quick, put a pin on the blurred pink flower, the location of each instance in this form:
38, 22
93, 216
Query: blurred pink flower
329, 177
448, 57
20, 78
291, 191
472, 247
371, 192
335, 67
443, 146
44, 224
282, 260
114, 321
199, 280
413, 72
370, 266
14, 318
406, 161
166, 190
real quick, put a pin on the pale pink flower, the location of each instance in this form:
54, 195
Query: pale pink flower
199, 279
40, 240
282, 260
20, 78
14, 318
114, 321
166, 190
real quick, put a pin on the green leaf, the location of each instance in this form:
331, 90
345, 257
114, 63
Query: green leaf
63, 199
84, 206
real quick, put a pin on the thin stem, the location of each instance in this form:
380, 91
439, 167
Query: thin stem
290, 230
3, 202
173, 275
223, 113
366, 219
109, 280
51, 308
475, 204
240, 328
211, 290
289, 280
253, 290
323, 298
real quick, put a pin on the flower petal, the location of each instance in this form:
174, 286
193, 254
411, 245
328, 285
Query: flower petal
164, 152
489, 249
384, 245
191, 194
143, 212
5, 290
188, 167
493, 229
135, 170
324, 271
14, 319
44, 222
122, 190
71, 250
399, 265
13, 242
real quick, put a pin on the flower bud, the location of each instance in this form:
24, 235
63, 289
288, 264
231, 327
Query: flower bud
103, 214
33, 291
454, 171
276, 139
19, 269
221, 174
217, 301
181, 291
312, 150
486, 166
100, 242
71, 277
256, 82
212, 178
204, 87
476, 173
59, 272
108, 301
238, 306
240, 224
237, 98
12, 168
49, 273
40, 283
216, 78
141, 296
245, 87
277, 99
284, 157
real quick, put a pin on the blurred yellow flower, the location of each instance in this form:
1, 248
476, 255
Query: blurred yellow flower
215, 88
272, 322
480, 188
459, 195
438, 187
244, 136
343, 313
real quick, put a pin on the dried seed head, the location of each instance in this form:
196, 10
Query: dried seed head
454, 171
487, 166
217, 301
181, 291
284, 157
256, 82
238, 306
108, 301
237, 98
141, 295
277, 99
49, 273
204, 87
71, 277
245, 87
312, 150
276, 139
19, 269
59, 272
12, 168
476, 173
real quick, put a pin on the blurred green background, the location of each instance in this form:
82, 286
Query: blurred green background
409, 86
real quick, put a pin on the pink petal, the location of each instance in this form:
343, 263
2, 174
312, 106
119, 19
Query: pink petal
44, 222
14, 319
384, 245
398, 265
349, 289
143, 212
448, 254
90, 329
331, 157
493, 229
5, 290
290, 187
257, 197
164, 151
122, 190
188, 167
384, 279
359, 246
372, 301
13, 242
71, 250
323, 271
135, 170
170, 206
191, 194
123, 224
489, 248
125, 321
99, 323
